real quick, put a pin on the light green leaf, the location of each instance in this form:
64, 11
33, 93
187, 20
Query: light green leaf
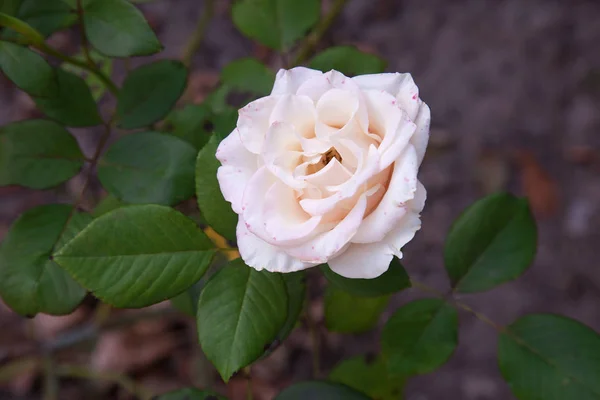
346, 313
320, 390
27, 69
213, 206
391, 281
420, 337
275, 23
240, 312
30, 282
368, 377
492, 242
17, 26
550, 357
136, 256
117, 28
248, 75
190, 394
348, 60
97, 86
149, 167
149, 92
72, 104
191, 123
38, 154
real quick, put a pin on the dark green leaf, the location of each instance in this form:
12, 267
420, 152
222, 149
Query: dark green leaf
295, 284
393, 280
46, 16
10, 7
370, 378
117, 28
319, 390
224, 122
38, 154
275, 23
72, 104
213, 206
346, 313
420, 337
30, 282
137, 255
27, 69
492, 242
191, 394
191, 123
149, 167
550, 357
240, 312
149, 92
97, 86
348, 60
248, 75
106, 205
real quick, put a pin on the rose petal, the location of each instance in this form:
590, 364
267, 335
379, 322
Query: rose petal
299, 111
253, 201
401, 86
253, 122
288, 81
282, 153
334, 173
238, 165
421, 136
317, 86
362, 261
258, 254
403, 234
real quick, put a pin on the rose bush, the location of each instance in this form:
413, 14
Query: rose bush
324, 170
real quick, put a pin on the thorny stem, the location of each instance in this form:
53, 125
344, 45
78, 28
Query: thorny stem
198, 34
315, 36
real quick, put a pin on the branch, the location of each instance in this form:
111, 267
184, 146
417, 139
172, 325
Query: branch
84, 42
198, 35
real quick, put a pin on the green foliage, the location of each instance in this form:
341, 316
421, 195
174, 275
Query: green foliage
46, 16
277, 24
149, 92
240, 312
27, 69
38, 154
72, 104
550, 357
295, 287
117, 28
393, 280
248, 75
346, 313
191, 123
10, 7
213, 206
30, 282
348, 60
492, 242
191, 394
149, 167
369, 377
97, 86
420, 337
107, 204
320, 390
136, 256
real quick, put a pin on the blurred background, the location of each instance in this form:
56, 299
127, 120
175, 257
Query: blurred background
514, 89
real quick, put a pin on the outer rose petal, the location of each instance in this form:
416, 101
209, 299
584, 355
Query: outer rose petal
288, 81
421, 136
402, 86
258, 254
253, 122
238, 165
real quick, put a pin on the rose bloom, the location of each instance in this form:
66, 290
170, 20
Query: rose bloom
324, 170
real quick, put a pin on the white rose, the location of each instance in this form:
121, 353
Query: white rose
324, 170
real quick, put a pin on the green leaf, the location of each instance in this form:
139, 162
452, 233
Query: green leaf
10, 7
191, 123
320, 390
370, 378
38, 154
149, 92
345, 313
117, 28
30, 282
97, 86
492, 242
275, 23
240, 312
248, 75
224, 122
27, 69
213, 206
72, 104
46, 16
107, 204
420, 337
295, 286
190, 394
550, 357
149, 167
18, 26
136, 256
391, 281
348, 60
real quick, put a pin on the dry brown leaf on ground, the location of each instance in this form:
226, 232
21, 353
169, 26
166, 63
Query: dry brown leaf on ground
492, 171
540, 188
